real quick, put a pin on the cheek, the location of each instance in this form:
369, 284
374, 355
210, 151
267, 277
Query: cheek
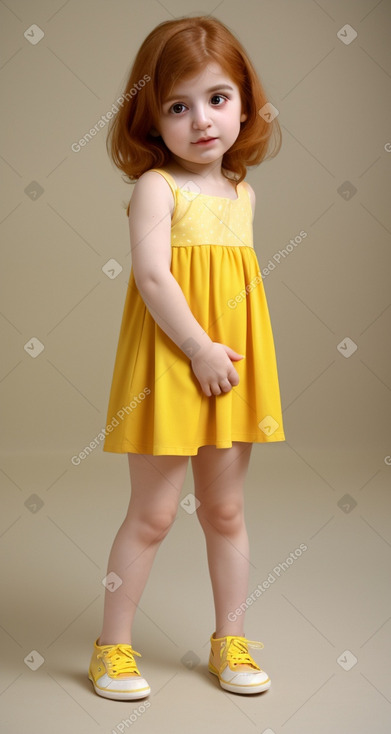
172, 128
234, 123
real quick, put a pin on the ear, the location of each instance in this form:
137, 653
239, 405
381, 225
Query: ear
154, 133
243, 117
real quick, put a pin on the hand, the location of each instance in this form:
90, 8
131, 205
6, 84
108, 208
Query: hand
214, 370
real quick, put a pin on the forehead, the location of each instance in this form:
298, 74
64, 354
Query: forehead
210, 77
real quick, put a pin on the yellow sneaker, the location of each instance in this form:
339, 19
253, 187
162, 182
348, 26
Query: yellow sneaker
114, 673
236, 670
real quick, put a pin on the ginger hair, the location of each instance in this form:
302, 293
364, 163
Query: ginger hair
176, 50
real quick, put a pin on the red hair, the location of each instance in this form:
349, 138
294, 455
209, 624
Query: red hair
174, 50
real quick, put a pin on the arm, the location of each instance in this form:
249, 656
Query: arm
150, 238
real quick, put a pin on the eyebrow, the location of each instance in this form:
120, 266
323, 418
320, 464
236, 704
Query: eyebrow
218, 87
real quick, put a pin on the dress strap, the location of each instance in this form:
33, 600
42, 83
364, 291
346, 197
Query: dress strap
170, 180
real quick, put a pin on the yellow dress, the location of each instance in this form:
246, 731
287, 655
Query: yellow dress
156, 404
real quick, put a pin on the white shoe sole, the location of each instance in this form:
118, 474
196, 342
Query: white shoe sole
120, 695
232, 688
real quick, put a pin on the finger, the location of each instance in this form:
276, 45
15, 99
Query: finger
225, 386
205, 388
234, 356
233, 377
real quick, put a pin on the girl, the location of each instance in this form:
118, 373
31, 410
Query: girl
195, 371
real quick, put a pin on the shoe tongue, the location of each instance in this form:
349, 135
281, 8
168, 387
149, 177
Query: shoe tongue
238, 645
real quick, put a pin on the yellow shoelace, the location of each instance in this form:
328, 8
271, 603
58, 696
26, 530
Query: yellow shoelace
237, 651
119, 659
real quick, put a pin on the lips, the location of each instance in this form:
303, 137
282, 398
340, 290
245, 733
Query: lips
203, 140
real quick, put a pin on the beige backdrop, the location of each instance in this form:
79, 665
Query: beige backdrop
325, 619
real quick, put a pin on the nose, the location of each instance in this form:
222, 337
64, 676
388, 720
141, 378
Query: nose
201, 119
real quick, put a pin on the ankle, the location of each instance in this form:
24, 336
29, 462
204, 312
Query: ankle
227, 632
101, 641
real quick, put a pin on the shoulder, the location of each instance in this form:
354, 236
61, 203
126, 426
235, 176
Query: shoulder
251, 195
152, 190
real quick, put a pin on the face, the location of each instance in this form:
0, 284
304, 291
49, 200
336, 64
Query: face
201, 119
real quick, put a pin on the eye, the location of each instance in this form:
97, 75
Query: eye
177, 108
220, 100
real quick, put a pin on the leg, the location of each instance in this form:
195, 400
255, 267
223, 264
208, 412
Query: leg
156, 483
219, 476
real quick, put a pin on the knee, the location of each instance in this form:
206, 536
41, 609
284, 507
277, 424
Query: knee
155, 525
225, 517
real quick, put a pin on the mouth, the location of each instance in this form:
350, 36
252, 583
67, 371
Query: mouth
204, 141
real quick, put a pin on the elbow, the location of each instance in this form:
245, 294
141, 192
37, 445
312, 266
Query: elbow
148, 283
